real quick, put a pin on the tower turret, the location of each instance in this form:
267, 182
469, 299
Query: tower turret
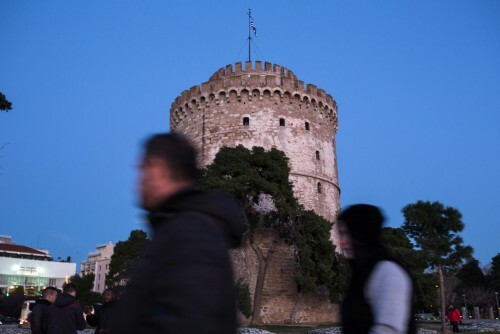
267, 106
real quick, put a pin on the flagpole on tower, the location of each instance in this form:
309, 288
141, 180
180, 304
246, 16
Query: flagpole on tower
251, 26
249, 33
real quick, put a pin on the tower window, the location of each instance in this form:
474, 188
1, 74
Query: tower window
317, 155
282, 122
246, 121
307, 126
319, 188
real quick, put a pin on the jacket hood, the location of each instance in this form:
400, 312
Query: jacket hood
219, 205
64, 300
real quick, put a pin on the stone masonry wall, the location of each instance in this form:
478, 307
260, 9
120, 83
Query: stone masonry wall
269, 107
280, 293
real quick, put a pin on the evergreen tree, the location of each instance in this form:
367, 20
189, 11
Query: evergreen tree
435, 229
493, 277
4, 103
471, 275
124, 255
84, 285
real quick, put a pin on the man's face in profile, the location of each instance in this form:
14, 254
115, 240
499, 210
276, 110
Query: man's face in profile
108, 296
154, 177
51, 297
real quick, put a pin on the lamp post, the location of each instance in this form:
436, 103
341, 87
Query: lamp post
466, 311
498, 308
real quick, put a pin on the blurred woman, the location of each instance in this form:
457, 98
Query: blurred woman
379, 298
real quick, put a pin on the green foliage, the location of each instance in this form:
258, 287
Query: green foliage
470, 275
84, 285
243, 300
319, 265
427, 293
125, 253
250, 174
435, 229
4, 103
493, 277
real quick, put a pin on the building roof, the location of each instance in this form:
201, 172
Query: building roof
21, 250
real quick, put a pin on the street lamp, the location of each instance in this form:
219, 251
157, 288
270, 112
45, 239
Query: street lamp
466, 311
498, 308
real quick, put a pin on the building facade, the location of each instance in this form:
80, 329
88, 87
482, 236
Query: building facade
97, 263
29, 268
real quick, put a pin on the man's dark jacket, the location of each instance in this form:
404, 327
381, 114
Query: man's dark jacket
65, 316
38, 317
102, 318
183, 282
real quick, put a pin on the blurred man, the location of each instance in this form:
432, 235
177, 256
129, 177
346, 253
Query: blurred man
65, 316
183, 282
103, 315
38, 317
379, 299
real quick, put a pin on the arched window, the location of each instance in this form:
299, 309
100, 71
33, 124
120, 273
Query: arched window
282, 122
246, 121
317, 155
307, 126
319, 188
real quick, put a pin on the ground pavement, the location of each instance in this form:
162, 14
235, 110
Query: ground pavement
468, 326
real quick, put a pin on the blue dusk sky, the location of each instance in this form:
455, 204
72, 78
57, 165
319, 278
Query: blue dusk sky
417, 85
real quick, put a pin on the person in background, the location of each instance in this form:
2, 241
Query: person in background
38, 317
183, 281
103, 315
454, 316
380, 296
65, 316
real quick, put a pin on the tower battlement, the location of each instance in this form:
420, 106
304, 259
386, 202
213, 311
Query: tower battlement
271, 81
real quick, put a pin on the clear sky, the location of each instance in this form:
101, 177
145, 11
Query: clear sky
417, 84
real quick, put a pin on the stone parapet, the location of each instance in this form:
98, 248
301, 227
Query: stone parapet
232, 84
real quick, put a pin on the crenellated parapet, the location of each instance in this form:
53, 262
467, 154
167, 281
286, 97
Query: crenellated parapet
236, 83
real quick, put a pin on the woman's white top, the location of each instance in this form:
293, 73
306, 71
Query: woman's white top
389, 293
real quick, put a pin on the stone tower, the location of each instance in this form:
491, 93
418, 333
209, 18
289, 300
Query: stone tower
268, 107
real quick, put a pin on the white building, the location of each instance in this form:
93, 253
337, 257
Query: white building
33, 269
98, 263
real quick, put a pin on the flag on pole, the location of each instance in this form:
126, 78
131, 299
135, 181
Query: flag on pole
253, 27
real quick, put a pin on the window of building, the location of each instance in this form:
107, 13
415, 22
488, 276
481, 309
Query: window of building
246, 121
282, 122
307, 126
319, 187
317, 155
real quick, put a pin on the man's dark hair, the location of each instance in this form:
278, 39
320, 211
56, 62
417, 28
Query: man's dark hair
68, 288
177, 152
50, 290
